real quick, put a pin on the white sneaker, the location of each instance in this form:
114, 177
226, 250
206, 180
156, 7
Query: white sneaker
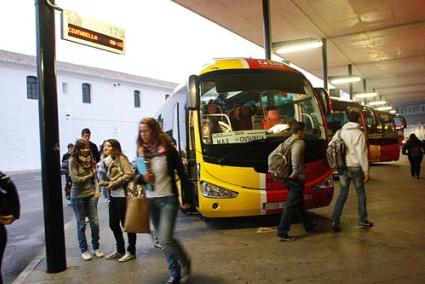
98, 253
86, 255
127, 256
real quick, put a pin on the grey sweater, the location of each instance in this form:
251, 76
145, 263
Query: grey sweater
84, 184
297, 157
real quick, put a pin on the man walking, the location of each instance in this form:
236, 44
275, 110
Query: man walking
295, 183
85, 134
356, 170
9, 210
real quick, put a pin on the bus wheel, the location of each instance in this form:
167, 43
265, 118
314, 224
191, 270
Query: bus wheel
205, 219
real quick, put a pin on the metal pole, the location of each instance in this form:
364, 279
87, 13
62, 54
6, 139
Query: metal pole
266, 29
49, 138
364, 85
350, 72
325, 63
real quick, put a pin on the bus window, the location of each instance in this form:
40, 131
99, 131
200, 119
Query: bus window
258, 105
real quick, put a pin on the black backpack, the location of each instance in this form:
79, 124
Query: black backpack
279, 161
335, 153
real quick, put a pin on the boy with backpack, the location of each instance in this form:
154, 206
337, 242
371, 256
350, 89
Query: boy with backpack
292, 172
355, 167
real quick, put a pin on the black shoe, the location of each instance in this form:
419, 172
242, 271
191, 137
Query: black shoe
366, 224
173, 280
336, 228
314, 227
287, 238
186, 271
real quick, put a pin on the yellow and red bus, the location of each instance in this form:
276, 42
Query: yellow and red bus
379, 126
227, 120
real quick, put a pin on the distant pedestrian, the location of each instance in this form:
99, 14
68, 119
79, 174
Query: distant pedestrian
65, 171
119, 172
294, 204
164, 163
86, 134
84, 197
101, 167
414, 149
9, 210
356, 170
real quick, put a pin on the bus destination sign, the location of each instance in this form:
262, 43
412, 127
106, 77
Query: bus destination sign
92, 32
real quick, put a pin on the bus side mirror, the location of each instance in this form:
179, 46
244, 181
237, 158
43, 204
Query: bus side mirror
193, 92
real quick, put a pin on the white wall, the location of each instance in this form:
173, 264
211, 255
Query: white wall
111, 114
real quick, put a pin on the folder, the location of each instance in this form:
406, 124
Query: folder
141, 168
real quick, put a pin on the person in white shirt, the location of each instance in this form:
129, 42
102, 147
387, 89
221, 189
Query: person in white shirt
356, 170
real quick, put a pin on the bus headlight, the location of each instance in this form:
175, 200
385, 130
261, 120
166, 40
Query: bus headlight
213, 191
325, 183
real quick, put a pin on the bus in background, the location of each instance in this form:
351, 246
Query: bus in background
400, 125
227, 120
336, 111
379, 126
382, 135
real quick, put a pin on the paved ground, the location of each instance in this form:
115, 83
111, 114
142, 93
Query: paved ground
239, 251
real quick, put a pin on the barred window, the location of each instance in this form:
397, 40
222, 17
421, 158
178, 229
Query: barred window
86, 93
32, 92
136, 98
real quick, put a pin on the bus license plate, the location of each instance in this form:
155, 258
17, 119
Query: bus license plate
272, 205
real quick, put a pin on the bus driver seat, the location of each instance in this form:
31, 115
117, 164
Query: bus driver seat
272, 118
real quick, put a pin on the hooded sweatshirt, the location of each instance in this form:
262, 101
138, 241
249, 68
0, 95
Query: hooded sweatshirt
355, 143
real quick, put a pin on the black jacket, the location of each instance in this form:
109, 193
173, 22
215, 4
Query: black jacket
413, 148
174, 164
94, 151
9, 200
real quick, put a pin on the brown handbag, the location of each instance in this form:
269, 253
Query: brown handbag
137, 212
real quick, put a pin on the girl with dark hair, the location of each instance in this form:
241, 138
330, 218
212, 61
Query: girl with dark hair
84, 196
164, 162
118, 173
414, 149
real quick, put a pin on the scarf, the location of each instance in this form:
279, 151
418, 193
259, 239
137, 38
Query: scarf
151, 150
85, 162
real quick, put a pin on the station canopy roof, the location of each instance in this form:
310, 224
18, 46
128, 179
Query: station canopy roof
384, 40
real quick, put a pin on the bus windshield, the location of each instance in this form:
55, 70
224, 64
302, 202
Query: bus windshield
248, 105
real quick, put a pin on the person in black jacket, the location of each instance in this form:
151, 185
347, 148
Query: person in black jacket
414, 149
163, 163
86, 134
9, 210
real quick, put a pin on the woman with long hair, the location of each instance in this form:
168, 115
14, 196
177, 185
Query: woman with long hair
414, 149
84, 196
163, 162
118, 173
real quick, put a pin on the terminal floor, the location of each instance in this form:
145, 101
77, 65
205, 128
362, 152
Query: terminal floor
241, 250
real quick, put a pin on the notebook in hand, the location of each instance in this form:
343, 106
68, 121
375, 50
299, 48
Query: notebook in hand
141, 168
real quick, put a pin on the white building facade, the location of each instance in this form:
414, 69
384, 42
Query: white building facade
110, 104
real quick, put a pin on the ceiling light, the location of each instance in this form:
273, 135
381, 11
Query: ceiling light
384, 108
337, 80
377, 103
393, 111
296, 45
365, 95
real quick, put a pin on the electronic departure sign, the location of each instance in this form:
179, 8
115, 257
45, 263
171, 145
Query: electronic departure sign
92, 32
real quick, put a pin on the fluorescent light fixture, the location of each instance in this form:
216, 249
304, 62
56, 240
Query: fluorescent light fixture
365, 95
296, 45
393, 111
377, 103
338, 80
385, 108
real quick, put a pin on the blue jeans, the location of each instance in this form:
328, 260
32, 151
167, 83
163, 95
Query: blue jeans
86, 207
163, 212
294, 204
347, 175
